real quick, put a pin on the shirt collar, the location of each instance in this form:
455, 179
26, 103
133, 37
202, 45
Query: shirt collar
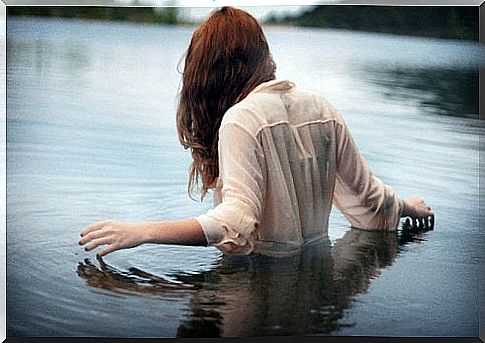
274, 85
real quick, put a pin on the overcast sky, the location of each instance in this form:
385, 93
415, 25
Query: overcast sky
200, 9
260, 12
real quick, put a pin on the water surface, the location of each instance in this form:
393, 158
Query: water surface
91, 136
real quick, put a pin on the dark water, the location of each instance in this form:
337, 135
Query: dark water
91, 136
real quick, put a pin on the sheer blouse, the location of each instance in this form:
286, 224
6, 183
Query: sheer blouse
285, 156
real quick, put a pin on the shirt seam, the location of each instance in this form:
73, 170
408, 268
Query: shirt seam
321, 121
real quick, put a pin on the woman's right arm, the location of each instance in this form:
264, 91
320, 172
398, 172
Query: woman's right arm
363, 198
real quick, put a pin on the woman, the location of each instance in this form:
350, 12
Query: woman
276, 157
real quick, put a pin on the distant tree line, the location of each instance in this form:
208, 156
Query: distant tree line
455, 22
163, 15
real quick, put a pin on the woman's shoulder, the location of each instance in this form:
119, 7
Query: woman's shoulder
252, 113
278, 102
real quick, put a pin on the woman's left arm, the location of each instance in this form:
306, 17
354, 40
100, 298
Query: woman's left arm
117, 235
229, 226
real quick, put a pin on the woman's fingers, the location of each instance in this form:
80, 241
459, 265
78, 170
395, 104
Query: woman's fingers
97, 242
426, 222
116, 235
420, 213
95, 226
92, 235
96, 234
110, 248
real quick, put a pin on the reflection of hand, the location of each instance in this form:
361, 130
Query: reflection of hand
421, 214
116, 235
132, 281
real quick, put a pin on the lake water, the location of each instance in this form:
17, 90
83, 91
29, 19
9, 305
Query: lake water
91, 136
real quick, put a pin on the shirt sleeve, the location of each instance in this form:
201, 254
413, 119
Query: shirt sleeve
230, 226
363, 198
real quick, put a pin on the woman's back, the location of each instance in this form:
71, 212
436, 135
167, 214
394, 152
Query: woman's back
281, 147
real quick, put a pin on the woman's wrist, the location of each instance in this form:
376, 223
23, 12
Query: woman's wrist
185, 232
152, 232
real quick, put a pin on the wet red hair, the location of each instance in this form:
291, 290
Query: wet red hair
227, 58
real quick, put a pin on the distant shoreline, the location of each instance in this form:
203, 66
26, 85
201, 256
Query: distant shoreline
155, 15
108, 21
452, 22
445, 22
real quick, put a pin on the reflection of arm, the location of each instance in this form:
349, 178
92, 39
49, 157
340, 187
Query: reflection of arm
229, 226
364, 200
360, 255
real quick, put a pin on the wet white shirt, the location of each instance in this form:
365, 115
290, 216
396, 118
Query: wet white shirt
284, 157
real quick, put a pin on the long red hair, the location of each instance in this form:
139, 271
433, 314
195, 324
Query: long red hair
227, 58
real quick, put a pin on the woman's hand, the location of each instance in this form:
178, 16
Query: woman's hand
115, 235
421, 214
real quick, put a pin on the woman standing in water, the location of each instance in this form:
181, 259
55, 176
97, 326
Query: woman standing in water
276, 157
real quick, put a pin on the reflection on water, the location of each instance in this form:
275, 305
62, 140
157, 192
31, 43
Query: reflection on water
134, 281
439, 91
258, 295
